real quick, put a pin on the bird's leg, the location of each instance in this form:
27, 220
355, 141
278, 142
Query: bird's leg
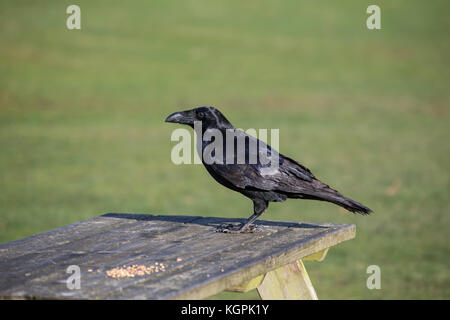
259, 207
246, 225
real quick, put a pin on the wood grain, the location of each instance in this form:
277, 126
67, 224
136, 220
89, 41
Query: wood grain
200, 261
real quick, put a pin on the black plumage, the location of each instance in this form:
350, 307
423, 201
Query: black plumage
258, 180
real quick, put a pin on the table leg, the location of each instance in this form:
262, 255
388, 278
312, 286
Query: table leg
290, 282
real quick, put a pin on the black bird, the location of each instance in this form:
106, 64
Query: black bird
258, 180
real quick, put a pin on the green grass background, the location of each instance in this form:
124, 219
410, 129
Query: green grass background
82, 114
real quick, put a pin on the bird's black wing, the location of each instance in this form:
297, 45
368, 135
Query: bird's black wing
288, 176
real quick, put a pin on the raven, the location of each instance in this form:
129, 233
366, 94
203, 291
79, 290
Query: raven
256, 179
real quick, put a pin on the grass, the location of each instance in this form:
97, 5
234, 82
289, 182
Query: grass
82, 130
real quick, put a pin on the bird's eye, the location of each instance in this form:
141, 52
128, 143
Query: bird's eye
200, 115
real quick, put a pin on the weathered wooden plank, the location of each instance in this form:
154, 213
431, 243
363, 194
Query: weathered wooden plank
232, 267
62, 235
125, 240
209, 243
93, 242
289, 282
122, 243
209, 261
48, 279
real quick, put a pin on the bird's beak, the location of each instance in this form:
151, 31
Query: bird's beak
184, 117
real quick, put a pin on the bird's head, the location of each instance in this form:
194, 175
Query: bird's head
210, 117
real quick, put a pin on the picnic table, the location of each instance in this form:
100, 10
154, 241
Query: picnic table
140, 256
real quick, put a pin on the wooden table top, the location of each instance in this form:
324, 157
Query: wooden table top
179, 257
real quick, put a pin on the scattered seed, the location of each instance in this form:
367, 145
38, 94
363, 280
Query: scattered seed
133, 270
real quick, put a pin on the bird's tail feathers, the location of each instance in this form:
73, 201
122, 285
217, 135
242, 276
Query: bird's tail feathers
346, 203
354, 206
333, 196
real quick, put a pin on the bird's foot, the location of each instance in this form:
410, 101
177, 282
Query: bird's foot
232, 228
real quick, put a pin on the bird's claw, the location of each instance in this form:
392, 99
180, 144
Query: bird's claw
231, 228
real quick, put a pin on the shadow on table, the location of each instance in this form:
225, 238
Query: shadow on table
214, 221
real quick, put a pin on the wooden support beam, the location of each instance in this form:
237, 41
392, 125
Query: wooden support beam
248, 285
255, 282
318, 256
290, 282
